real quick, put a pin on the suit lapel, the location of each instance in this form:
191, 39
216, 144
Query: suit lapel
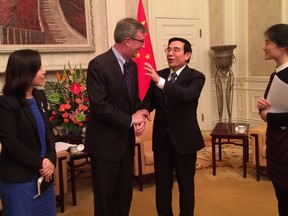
31, 118
30, 115
179, 80
182, 75
134, 82
165, 76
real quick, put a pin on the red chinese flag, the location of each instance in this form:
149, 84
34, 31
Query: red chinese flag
145, 54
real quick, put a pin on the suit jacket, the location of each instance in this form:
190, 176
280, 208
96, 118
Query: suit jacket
20, 157
108, 133
176, 106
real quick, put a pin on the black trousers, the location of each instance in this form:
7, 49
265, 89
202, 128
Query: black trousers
112, 183
166, 161
282, 197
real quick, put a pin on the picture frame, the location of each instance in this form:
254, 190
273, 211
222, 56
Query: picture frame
60, 27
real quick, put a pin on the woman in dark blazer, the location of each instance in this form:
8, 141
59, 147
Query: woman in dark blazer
276, 48
28, 148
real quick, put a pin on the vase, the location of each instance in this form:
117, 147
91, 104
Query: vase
74, 138
223, 59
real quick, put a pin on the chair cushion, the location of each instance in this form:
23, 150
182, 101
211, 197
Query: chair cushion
149, 158
148, 153
263, 151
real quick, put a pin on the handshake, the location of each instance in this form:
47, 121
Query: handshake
139, 121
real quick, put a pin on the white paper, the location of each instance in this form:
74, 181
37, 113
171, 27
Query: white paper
62, 146
278, 96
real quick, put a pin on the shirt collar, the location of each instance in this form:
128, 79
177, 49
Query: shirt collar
119, 57
177, 72
281, 67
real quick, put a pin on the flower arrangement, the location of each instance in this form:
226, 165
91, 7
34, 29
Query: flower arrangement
68, 100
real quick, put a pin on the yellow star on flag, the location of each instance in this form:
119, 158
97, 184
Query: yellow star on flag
138, 55
147, 56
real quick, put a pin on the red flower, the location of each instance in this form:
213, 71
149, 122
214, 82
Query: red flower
75, 88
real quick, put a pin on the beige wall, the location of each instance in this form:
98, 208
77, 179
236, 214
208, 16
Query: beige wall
216, 22
261, 15
240, 22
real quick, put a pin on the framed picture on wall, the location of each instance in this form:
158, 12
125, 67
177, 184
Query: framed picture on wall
47, 25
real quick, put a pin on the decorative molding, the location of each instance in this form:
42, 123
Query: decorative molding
284, 13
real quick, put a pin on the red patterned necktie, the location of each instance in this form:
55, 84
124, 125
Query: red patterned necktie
127, 73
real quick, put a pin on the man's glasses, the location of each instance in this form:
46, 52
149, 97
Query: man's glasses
139, 40
173, 49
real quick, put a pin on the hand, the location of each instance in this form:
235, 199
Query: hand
263, 115
151, 72
138, 118
145, 113
263, 104
47, 169
139, 128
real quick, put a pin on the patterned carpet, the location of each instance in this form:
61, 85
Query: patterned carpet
231, 155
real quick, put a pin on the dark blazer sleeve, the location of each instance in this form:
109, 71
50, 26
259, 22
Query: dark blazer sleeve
12, 123
105, 86
20, 141
190, 86
176, 110
109, 131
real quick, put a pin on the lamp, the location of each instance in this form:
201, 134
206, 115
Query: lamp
223, 60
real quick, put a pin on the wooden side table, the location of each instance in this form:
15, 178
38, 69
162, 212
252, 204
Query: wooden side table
227, 131
73, 158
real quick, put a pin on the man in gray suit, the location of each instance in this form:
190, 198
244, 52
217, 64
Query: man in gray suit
174, 94
110, 134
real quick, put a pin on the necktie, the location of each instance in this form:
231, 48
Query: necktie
173, 77
127, 73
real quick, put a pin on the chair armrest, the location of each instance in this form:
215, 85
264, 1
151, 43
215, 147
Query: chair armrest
63, 157
258, 136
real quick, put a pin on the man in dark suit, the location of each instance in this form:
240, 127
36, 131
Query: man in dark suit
110, 134
174, 94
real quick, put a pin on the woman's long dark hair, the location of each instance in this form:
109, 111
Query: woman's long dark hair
21, 69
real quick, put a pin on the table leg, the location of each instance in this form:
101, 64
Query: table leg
213, 155
139, 167
245, 156
73, 184
220, 148
61, 183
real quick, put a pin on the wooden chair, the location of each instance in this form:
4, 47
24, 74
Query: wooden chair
60, 178
144, 166
258, 140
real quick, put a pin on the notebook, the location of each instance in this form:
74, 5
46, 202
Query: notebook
42, 185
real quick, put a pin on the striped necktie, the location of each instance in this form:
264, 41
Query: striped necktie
173, 77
